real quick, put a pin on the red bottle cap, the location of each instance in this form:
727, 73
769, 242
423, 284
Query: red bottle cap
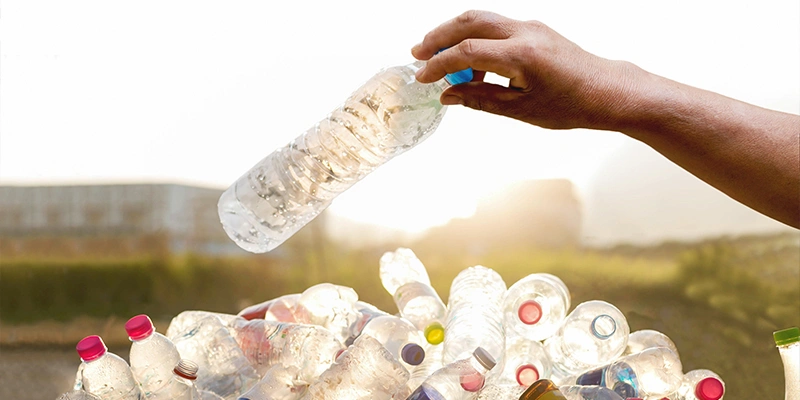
139, 327
527, 374
91, 348
529, 312
709, 389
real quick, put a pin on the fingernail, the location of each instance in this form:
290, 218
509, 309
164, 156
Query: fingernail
419, 72
452, 100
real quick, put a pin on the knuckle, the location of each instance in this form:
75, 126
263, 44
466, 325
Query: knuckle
535, 24
468, 17
467, 48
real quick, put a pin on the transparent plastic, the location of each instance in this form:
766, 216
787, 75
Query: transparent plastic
459, 380
400, 267
400, 337
77, 394
535, 305
106, 375
593, 334
367, 312
421, 305
330, 306
475, 317
431, 363
500, 392
788, 343
281, 309
366, 370
642, 340
525, 362
278, 383
700, 384
309, 348
153, 357
388, 115
574, 392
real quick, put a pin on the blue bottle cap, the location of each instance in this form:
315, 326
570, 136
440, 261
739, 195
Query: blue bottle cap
412, 354
463, 76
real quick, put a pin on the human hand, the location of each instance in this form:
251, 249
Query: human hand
553, 83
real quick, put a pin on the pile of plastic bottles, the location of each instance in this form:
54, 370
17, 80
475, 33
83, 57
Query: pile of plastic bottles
489, 342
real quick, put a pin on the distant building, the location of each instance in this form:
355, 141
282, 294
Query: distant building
111, 220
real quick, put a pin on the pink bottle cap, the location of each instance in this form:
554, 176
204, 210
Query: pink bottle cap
527, 374
709, 389
91, 348
139, 327
529, 312
472, 382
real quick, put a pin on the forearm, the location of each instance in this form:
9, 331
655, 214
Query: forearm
750, 153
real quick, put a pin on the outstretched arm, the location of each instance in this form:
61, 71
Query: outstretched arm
750, 153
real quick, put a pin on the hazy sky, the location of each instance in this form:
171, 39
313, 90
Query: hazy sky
198, 92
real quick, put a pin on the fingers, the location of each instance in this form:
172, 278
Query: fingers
471, 24
482, 96
478, 54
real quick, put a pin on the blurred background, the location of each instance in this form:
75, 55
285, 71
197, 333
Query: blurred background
121, 124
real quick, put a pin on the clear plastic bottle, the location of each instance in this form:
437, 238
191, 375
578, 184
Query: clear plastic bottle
153, 357
576, 392
593, 334
402, 339
535, 305
459, 380
180, 385
190, 318
367, 312
281, 309
389, 114
104, 374
501, 392
653, 373
77, 394
542, 389
223, 367
330, 306
406, 279
365, 371
788, 342
309, 348
642, 340
475, 317
431, 363
278, 383
700, 384
525, 362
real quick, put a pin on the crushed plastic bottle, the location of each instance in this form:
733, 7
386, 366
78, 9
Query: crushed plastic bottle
535, 306
367, 312
223, 367
700, 384
330, 306
542, 389
365, 371
406, 279
309, 348
788, 343
189, 318
652, 373
459, 380
475, 317
501, 392
282, 309
278, 383
642, 340
593, 334
577, 392
153, 357
105, 374
397, 335
387, 116
525, 362
77, 394
431, 363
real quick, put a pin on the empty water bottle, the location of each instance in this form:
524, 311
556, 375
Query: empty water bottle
652, 373
104, 374
223, 367
576, 392
525, 362
475, 317
365, 371
788, 342
642, 340
593, 334
700, 384
309, 348
153, 357
281, 309
390, 114
367, 312
330, 306
180, 385
431, 363
535, 305
188, 319
278, 383
77, 394
402, 339
458, 380
501, 392
406, 279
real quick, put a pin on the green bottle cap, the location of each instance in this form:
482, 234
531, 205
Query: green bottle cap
786, 336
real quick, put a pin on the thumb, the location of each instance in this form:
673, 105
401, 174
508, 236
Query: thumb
489, 97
